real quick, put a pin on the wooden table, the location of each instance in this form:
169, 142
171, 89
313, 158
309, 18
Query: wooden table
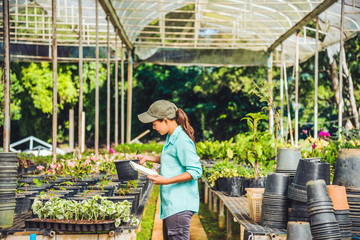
237, 209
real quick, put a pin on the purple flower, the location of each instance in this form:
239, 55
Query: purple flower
111, 151
324, 134
305, 131
314, 146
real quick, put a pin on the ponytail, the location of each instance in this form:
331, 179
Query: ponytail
183, 120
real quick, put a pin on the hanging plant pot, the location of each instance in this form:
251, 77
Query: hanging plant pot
125, 171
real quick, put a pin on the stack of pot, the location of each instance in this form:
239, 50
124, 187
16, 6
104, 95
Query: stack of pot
8, 176
353, 197
307, 169
341, 208
287, 161
275, 201
347, 174
323, 223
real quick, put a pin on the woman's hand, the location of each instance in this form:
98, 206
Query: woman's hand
159, 180
142, 158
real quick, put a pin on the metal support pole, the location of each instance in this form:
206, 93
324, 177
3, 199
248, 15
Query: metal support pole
108, 86
6, 39
271, 112
129, 102
116, 91
282, 91
97, 81
71, 129
341, 68
122, 94
316, 80
80, 132
54, 62
297, 91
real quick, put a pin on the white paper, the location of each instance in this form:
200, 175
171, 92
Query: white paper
142, 169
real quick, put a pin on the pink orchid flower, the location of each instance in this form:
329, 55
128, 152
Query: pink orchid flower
40, 167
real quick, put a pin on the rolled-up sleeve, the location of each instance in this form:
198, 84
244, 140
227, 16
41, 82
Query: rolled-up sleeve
188, 158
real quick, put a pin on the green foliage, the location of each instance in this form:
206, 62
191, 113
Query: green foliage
151, 147
215, 150
96, 208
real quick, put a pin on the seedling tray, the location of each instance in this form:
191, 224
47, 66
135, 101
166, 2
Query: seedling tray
71, 225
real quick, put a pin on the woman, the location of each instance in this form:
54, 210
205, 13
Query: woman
179, 168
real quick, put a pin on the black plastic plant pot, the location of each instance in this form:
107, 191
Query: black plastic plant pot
8, 158
322, 218
222, 184
246, 182
317, 191
288, 159
347, 168
125, 171
257, 183
277, 184
234, 186
308, 169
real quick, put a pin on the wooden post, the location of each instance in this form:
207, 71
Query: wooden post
228, 225
6, 41
97, 80
297, 91
210, 199
116, 129
122, 95
221, 215
271, 112
54, 68
316, 80
206, 193
129, 102
108, 85
215, 208
80, 132
282, 91
71, 129
341, 68
83, 132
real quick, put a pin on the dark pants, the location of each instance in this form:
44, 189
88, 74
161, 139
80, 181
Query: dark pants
177, 226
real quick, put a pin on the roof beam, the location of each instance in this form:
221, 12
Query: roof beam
319, 9
111, 12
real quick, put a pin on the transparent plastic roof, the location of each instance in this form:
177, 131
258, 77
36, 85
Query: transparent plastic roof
189, 32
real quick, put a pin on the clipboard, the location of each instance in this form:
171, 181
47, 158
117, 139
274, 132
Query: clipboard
142, 169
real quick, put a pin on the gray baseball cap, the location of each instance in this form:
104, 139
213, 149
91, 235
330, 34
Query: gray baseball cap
159, 110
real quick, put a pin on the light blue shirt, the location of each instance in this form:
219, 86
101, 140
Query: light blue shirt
179, 156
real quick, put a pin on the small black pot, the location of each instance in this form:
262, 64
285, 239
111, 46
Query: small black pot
277, 184
125, 171
222, 184
234, 186
257, 183
317, 191
298, 231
